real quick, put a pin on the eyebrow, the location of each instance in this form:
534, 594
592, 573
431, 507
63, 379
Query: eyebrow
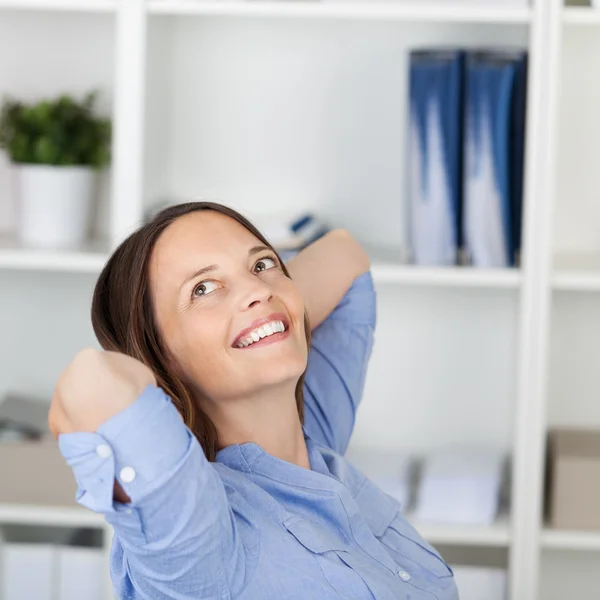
211, 268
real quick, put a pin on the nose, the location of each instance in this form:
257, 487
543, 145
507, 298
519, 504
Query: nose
255, 292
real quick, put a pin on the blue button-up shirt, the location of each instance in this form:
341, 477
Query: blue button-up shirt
251, 526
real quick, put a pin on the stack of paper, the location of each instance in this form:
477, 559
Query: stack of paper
392, 471
480, 583
461, 485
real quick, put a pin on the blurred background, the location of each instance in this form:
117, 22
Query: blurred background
457, 139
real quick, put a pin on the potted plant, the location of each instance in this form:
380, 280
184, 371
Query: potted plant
56, 146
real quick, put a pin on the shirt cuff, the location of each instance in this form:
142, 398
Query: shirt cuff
139, 447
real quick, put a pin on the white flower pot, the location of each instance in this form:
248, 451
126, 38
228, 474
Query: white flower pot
54, 205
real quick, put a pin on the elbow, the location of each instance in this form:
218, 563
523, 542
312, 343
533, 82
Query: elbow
354, 251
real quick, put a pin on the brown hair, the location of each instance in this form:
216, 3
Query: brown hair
123, 318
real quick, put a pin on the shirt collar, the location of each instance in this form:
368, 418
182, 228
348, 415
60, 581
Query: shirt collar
241, 456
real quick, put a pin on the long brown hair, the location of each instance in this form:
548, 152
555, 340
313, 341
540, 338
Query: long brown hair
123, 317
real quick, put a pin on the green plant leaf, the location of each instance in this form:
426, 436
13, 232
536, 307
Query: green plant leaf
60, 131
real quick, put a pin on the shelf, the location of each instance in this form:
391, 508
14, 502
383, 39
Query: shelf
570, 540
456, 12
496, 535
462, 277
387, 267
581, 16
61, 5
577, 272
14, 256
91, 260
21, 514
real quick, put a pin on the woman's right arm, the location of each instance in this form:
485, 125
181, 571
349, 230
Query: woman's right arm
124, 439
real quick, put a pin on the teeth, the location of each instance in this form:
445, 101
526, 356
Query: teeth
262, 332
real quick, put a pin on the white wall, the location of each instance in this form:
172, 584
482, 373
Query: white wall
44, 320
443, 370
578, 172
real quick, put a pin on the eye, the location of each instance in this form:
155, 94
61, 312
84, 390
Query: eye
204, 288
264, 264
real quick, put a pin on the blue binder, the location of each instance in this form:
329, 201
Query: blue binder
435, 155
494, 147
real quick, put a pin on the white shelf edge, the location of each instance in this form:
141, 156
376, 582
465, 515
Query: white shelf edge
383, 273
576, 282
581, 16
61, 5
570, 540
576, 271
497, 535
463, 277
22, 514
412, 11
68, 262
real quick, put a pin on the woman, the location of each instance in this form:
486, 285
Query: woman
219, 467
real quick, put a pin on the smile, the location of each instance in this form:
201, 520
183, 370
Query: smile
271, 330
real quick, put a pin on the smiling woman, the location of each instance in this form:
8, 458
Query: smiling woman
250, 496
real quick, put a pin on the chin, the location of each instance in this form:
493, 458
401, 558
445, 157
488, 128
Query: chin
288, 371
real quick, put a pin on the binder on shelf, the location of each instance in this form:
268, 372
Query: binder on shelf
435, 155
494, 140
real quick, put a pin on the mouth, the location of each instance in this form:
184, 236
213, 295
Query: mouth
263, 332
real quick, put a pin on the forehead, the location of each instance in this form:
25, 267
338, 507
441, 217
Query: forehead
197, 240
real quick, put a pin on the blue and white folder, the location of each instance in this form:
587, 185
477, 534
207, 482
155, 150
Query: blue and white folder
435, 155
493, 154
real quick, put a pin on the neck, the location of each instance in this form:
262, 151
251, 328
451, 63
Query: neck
269, 419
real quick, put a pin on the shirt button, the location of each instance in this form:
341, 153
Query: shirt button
127, 474
103, 451
404, 575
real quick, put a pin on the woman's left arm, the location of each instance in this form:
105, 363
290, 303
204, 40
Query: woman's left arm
340, 297
325, 270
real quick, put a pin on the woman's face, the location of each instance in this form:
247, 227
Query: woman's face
221, 301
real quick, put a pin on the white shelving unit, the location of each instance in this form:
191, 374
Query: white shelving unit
456, 12
14, 256
494, 536
15, 514
571, 540
62, 5
92, 258
302, 103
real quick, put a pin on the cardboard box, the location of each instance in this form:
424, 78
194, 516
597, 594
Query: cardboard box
35, 472
574, 479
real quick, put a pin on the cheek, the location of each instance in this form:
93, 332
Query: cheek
199, 352
295, 304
